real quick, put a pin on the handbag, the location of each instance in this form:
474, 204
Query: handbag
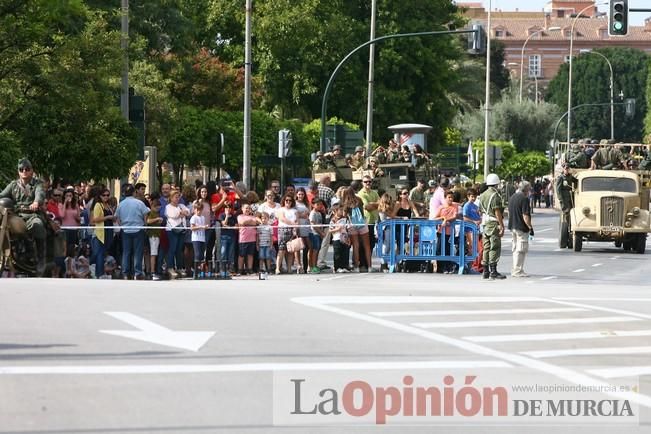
295, 245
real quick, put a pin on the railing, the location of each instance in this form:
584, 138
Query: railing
421, 240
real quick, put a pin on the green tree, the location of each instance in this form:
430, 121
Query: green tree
60, 104
591, 84
527, 165
527, 124
647, 119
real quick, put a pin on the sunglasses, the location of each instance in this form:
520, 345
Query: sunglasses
404, 193
25, 169
288, 200
366, 182
56, 195
106, 195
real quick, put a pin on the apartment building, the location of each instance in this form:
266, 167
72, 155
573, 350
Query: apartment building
547, 35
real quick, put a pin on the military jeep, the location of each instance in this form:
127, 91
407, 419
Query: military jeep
611, 205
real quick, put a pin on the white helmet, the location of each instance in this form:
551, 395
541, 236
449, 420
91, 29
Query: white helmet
492, 179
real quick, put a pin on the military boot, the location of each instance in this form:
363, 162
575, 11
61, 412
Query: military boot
494, 274
486, 273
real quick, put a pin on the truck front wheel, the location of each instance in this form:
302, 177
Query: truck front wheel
640, 244
578, 242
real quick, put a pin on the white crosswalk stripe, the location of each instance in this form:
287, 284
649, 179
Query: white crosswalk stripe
524, 322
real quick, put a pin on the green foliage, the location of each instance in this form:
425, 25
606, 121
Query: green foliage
647, 119
453, 136
507, 150
591, 84
60, 103
527, 165
312, 131
528, 125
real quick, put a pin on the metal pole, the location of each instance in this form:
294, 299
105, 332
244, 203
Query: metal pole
124, 45
535, 79
488, 90
246, 157
371, 71
326, 92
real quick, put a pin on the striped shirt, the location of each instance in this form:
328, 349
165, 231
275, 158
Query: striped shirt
264, 236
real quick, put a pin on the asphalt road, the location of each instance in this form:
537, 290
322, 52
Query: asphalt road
210, 356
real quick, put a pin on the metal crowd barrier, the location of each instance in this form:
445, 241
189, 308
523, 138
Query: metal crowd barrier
420, 240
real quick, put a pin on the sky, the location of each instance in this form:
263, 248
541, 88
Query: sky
635, 18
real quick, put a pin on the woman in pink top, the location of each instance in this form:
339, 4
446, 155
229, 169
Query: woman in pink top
71, 217
448, 214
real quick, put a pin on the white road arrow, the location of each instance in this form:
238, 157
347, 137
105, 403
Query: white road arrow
154, 333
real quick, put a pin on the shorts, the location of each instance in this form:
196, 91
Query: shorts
284, 236
264, 252
247, 249
358, 230
154, 243
316, 241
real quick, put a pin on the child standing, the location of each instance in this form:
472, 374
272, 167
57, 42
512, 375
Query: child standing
317, 233
471, 214
154, 219
264, 242
198, 227
340, 239
448, 213
227, 239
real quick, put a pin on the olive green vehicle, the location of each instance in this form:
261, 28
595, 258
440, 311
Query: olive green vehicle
391, 176
608, 205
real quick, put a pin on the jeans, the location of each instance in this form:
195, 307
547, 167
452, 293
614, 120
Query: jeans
98, 252
132, 252
175, 250
227, 251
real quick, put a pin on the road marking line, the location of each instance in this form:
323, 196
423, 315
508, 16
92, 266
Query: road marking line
630, 371
558, 250
476, 312
600, 299
597, 265
604, 309
543, 230
570, 375
415, 300
559, 336
614, 257
579, 270
587, 352
252, 367
549, 278
524, 322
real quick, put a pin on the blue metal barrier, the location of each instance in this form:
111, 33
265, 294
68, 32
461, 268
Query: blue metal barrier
420, 240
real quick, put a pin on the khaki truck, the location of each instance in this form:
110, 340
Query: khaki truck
608, 205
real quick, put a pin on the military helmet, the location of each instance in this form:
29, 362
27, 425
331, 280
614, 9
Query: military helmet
319, 153
492, 179
359, 149
6, 203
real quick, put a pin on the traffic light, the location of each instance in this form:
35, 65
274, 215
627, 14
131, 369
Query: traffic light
618, 19
284, 143
477, 40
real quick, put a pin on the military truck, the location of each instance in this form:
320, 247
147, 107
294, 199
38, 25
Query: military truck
609, 205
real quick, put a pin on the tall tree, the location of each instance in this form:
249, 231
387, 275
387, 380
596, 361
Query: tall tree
591, 84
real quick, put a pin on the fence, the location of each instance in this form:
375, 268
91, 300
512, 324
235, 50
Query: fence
421, 240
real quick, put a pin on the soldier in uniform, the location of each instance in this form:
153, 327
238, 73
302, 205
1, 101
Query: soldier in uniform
27, 193
565, 184
607, 157
357, 159
320, 163
373, 167
576, 158
491, 206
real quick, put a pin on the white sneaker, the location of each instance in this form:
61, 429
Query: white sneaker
342, 270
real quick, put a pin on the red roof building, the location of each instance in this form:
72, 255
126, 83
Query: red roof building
546, 50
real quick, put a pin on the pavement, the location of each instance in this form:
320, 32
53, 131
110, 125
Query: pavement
184, 356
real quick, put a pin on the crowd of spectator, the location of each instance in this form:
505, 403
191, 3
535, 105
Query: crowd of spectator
223, 230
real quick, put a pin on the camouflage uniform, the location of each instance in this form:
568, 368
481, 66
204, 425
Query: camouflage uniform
576, 158
607, 158
488, 202
320, 163
564, 186
23, 196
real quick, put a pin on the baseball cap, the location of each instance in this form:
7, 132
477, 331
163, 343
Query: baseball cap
431, 183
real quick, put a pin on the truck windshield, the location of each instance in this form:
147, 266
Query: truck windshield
599, 183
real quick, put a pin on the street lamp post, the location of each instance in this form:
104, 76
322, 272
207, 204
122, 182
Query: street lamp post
612, 91
551, 29
488, 89
371, 72
569, 79
246, 148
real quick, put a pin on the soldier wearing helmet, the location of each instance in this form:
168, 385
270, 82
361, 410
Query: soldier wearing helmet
28, 195
491, 206
357, 159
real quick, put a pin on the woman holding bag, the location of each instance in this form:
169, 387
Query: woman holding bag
287, 218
